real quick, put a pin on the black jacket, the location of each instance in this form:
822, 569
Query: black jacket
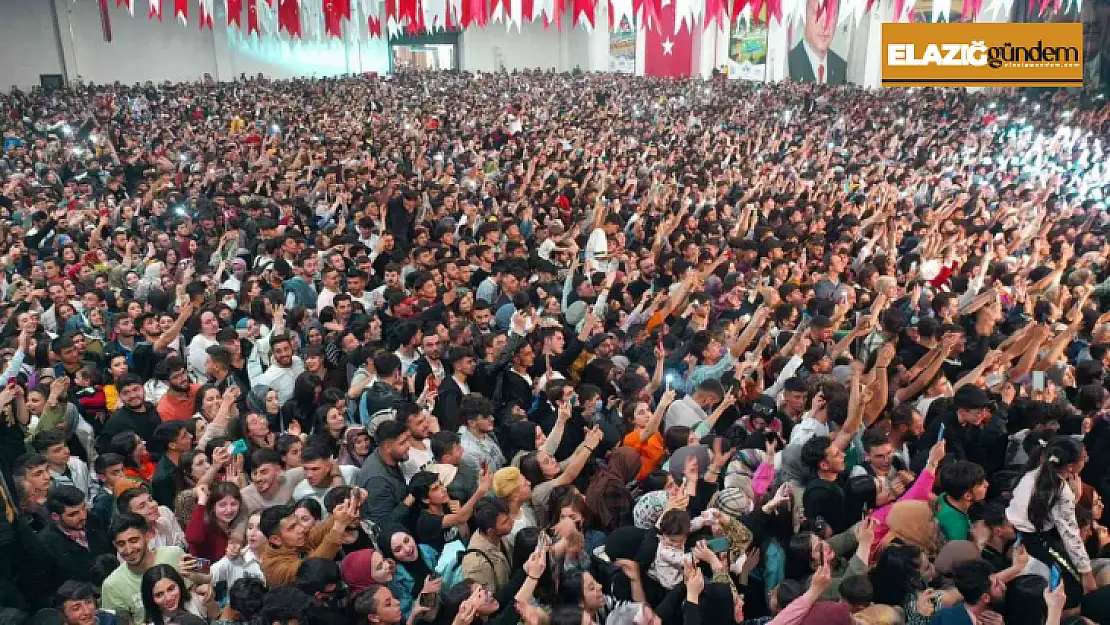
399, 220
141, 423
71, 560
448, 398
513, 387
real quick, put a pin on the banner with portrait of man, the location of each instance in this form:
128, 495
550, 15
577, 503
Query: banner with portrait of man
820, 48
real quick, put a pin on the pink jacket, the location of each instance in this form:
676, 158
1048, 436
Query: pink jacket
920, 491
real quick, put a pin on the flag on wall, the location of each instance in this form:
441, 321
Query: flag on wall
235, 13
181, 11
289, 17
130, 4
252, 18
206, 13
668, 50
155, 10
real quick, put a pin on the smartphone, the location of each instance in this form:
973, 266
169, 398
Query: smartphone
1017, 541
1054, 580
238, 447
719, 544
940, 434
204, 565
1038, 381
427, 599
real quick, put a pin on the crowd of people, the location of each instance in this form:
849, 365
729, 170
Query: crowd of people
553, 349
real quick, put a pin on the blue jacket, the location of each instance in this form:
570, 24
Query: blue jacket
403, 585
303, 293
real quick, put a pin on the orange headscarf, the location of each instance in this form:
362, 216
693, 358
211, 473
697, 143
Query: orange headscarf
912, 523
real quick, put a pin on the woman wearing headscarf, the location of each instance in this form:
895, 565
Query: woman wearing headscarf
913, 523
415, 566
919, 492
608, 496
355, 448
364, 568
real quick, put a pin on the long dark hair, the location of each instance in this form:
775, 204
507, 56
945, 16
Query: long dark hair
1060, 452
896, 574
799, 556
155, 574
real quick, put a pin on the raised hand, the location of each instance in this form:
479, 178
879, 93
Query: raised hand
202, 492
536, 564
695, 581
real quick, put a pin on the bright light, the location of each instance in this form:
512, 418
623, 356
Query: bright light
66, 130
1036, 108
275, 128
992, 106
179, 210
184, 158
901, 121
1065, 114
832, 144
786, 115
94, 138
78, 151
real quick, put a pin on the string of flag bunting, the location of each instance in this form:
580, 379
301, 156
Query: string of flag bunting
337, 19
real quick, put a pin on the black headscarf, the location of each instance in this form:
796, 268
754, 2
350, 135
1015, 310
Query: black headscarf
417, 569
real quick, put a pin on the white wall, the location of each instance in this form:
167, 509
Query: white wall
535, 47
28, 43
143, 49
140, 49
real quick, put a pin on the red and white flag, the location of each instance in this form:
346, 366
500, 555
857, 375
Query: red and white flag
668, 50
235, 13
181, 11
206, 14
252, 18
374, 27
130, 4
155, 10
289, 17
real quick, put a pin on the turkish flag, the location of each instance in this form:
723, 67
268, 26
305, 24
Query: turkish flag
252, 17
666, 52
289, 17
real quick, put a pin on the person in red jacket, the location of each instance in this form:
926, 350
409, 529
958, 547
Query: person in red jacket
218, 513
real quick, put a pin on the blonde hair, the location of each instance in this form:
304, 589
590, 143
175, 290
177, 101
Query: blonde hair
879, 614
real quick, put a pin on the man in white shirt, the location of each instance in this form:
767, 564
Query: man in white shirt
419, 424
283, 370
597, 247
322, 473
330, 288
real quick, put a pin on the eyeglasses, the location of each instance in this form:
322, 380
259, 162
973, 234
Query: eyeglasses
762, 410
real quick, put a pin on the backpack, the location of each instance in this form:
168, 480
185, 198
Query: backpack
449, 565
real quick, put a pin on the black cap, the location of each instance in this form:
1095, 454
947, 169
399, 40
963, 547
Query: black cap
971, 398
820, 321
